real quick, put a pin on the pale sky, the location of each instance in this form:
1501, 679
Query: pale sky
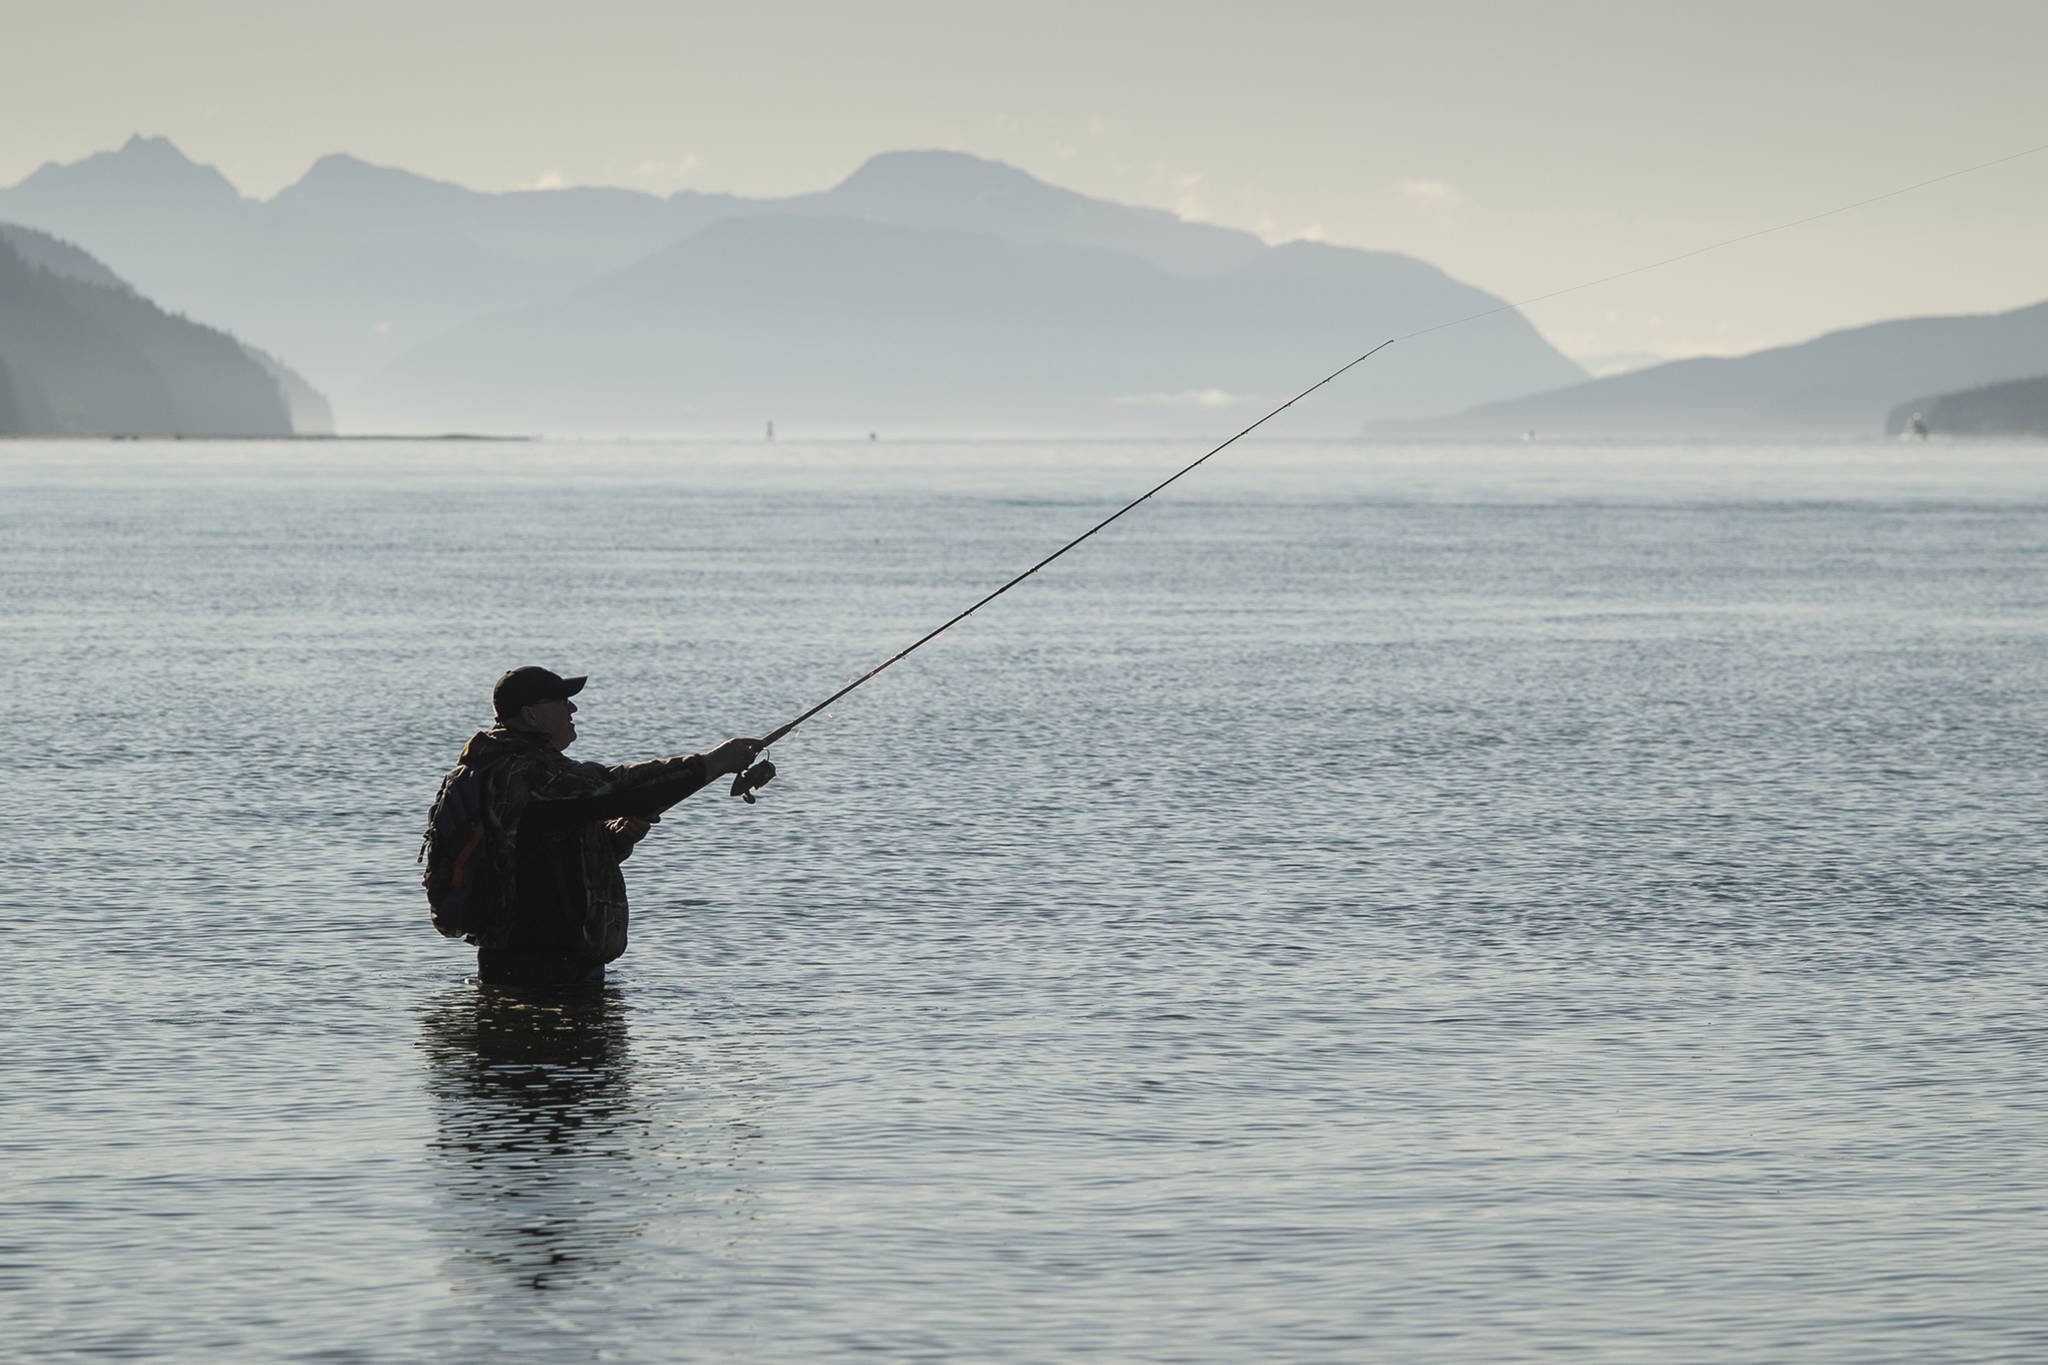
1520, 146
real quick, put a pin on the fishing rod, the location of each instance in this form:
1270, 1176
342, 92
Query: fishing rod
747, 782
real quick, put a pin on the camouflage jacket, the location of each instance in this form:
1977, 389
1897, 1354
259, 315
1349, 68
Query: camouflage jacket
545, 814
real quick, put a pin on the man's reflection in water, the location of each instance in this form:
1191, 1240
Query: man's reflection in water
533, 1090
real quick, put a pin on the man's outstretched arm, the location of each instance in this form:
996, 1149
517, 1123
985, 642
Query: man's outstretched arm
641, 789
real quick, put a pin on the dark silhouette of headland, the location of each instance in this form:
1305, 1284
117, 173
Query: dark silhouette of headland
1843, 383
2018, 407
83, 353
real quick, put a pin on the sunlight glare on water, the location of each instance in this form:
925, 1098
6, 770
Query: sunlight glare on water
1434, 902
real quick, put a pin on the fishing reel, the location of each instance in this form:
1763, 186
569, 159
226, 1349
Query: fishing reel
745, 784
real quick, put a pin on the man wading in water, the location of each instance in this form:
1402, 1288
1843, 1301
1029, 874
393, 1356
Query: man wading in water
538, 838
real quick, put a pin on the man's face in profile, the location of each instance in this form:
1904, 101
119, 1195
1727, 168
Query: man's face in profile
552, 718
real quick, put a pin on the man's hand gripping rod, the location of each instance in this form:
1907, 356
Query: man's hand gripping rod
745, 784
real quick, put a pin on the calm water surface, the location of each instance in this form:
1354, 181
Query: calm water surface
1420, 903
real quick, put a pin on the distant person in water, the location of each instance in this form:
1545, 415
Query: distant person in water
555, 831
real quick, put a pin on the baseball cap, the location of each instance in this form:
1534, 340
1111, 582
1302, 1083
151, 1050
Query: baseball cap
523, 687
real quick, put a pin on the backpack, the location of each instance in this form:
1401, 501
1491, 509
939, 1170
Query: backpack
464, 889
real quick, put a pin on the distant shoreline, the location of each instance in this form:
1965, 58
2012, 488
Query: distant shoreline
174, 436
1371, 438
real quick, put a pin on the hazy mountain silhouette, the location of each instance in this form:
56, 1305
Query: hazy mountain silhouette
357, 265
82, 352
867, 324
1842, 383
2018, 407
144, 171
934, 189
341, 277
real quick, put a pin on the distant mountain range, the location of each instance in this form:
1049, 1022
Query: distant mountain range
1842, 383
930, 290
831, 320
82, 352
2016, 408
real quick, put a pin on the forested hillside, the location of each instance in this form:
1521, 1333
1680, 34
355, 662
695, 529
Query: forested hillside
80, 352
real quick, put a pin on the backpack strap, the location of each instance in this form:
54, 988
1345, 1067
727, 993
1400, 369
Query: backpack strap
476, 841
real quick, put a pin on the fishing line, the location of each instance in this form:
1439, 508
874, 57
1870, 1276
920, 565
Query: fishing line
744, 783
